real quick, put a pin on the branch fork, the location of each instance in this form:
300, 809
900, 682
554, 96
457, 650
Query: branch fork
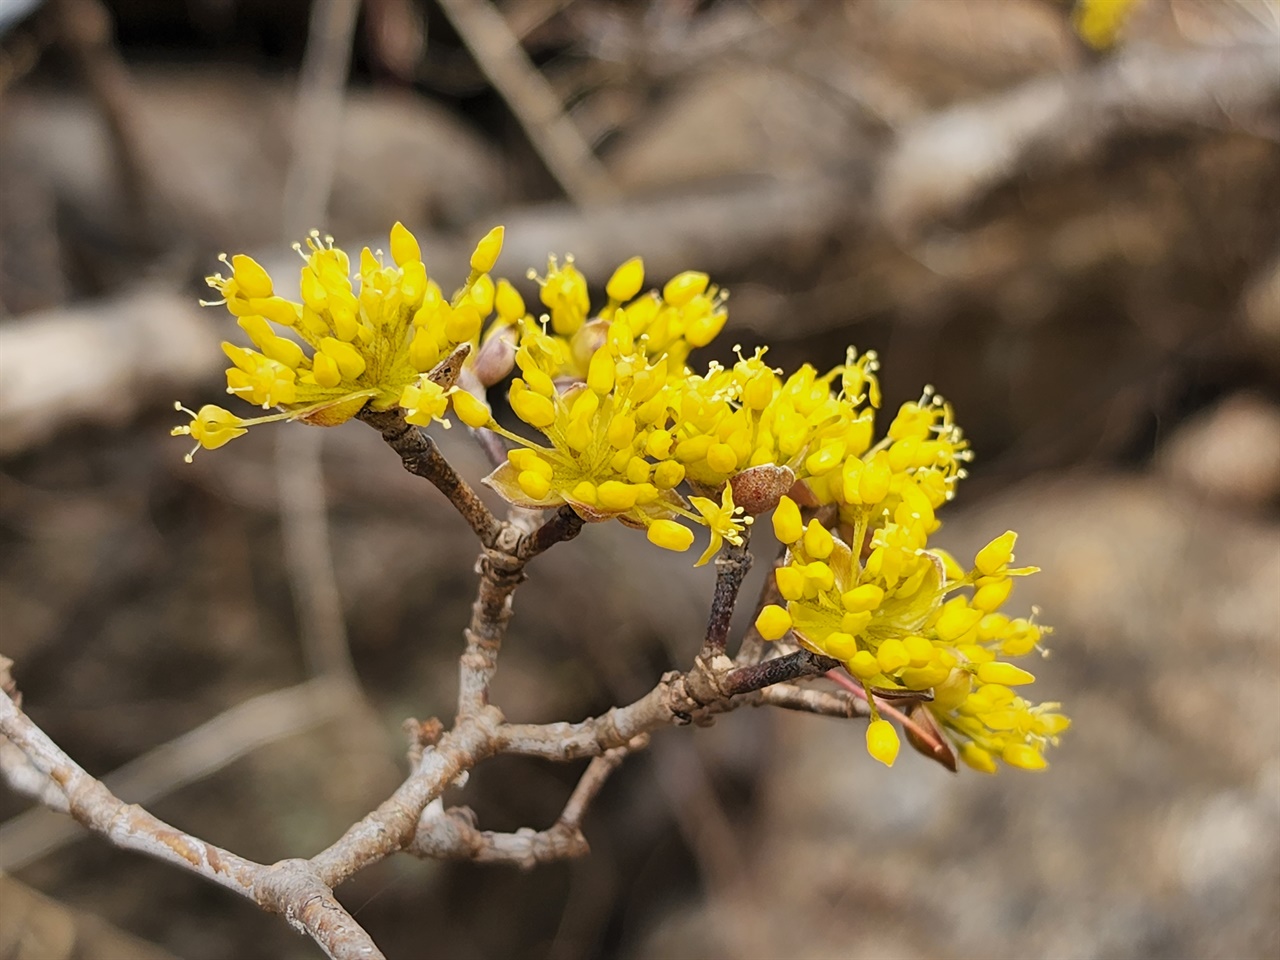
414, 819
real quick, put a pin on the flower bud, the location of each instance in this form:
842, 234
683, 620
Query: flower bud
670, 535
882, 741
404, 245
759, 489
773, 622
788, 525
497, 356
250, 277
626, 280
487, 250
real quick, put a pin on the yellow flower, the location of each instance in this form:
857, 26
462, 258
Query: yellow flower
213, 426
1100, 22
594, 455
722, 520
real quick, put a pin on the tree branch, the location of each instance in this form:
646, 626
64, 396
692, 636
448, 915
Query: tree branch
791, 666
452, 834
422, 457
290, 887
501, 571
827, 703
391, 827
183, 760
732, 566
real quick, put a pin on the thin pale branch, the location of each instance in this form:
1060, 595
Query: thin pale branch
391, 827
501, 571
826, 703
676, 699
452, 834
183, 760
290, 887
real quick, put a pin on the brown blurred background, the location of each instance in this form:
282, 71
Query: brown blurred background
1079, 247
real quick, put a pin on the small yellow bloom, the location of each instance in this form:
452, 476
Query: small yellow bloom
1005, 673
1024, 756
253, 281
1101, 22
508, 302
404, 245
996, 555
977, 758
684, 287
211, 427
990, 596
868, 596
817, 540
426, 402
471, 410
724, 521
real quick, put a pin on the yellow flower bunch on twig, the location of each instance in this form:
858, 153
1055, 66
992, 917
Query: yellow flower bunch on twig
612, 421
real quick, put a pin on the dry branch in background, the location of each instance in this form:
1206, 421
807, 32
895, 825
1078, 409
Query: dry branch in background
498, 52
135, 347
947, 161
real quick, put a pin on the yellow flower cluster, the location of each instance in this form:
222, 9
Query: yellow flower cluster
615, 423
373, 344
885, 614
605, 395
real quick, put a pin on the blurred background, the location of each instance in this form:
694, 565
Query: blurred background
1063, 216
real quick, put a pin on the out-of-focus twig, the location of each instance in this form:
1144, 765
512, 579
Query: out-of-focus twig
299, 470
524, 18
56, 366
948, 160
84, 28
36, 927
317, 117
498, 53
